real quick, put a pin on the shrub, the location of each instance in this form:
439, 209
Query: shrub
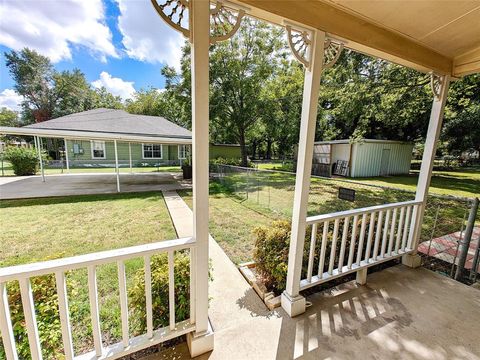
159, 266
272, 246
231, 161
48, 319
24, 160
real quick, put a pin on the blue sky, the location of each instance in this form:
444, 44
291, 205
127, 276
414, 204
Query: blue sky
119, 44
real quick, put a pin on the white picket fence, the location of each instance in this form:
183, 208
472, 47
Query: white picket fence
128, 345
387, 228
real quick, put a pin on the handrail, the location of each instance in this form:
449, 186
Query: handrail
81, 261
342, 214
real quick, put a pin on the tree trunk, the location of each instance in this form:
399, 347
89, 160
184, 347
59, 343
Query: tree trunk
254, 149
243, 150
268, 155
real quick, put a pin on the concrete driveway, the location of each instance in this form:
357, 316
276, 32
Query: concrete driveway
19, 187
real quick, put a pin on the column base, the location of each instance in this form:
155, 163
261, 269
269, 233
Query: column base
361, 276
202, 343
412, 260
293, 306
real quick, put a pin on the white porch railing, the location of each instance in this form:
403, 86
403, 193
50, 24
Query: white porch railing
128, 345
388, 229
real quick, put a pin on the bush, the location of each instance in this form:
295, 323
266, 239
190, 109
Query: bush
272, 246
24, 160
48, 319
231, 161
159, 266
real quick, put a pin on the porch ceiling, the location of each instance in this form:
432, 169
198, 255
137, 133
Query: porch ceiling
443, 36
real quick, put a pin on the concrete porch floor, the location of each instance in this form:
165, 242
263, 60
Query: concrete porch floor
402, 313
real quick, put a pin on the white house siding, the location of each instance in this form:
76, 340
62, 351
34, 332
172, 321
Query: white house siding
367, 159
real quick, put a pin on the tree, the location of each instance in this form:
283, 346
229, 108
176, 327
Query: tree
8, 117
101, 98
33, 75
239, 69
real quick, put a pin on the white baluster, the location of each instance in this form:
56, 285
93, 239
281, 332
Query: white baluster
352, 241
171, 289
344, 241
400, 229
192, 285
370, 237
6, 329
312, 252
148, 295
334, 246
122, 287
362, 237
30, 319
392, 232
323, 249
94, 313
406, 228
385, 233
378, 235
64, 314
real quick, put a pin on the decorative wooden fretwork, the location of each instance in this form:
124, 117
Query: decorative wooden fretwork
300, 42
175, 13
331, 53
436, 83
225, 19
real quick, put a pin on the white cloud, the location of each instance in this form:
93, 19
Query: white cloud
10, 99
52, 27
146, 36
116, 86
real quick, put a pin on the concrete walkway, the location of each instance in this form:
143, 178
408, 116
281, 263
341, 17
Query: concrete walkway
401, 313
19, 187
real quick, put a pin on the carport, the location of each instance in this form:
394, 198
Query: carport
39, 134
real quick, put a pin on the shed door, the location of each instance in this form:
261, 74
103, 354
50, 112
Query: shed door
385, 162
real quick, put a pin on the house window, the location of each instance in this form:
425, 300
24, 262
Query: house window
182, 152
152, 151
98, 149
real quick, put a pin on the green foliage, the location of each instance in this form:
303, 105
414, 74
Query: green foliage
24, 160
8, 117
231, 161
271, 253
48, 320
159, 266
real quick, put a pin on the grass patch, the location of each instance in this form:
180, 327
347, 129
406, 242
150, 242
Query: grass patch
232, 221
463, 183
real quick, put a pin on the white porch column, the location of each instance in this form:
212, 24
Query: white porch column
66, 155
433, 133
116, 165
39, 151
201, 341
130, 156
292, 302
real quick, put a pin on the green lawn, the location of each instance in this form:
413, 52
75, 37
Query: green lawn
463, 183
232, 221
41, 229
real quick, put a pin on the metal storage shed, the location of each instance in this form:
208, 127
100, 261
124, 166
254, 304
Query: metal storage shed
363, 158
